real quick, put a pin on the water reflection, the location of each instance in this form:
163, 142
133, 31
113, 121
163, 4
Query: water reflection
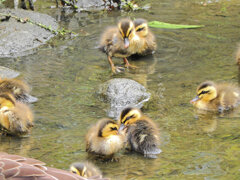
17, 145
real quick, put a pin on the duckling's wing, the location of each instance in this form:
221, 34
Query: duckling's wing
229, 98
143, 139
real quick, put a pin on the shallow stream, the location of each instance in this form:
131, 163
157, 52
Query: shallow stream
65, 74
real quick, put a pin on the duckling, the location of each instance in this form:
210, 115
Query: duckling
85, 169
216, 97
118, 42
142, 133
146, 43
104, 139
16, 118
18, 167
18, 88
238, 56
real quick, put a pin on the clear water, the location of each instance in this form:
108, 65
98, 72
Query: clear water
65, 74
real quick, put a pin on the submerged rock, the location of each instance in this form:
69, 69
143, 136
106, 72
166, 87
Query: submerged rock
121, 93
19, 39
8, 73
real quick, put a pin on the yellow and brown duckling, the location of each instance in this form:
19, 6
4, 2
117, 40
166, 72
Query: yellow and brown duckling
18, 167
85, 169
18, 88
118, 42
16, 118
216, 97
104, 139
146, 44
142, 133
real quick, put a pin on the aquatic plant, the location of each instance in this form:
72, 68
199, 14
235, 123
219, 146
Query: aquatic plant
163, 25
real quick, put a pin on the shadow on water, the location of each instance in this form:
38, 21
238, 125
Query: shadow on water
65, 74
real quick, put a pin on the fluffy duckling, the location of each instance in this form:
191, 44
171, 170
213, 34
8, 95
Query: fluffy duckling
146, 43
16, 118
18, 88
216, 97
104, 139
142, 133
85, 169
118, 42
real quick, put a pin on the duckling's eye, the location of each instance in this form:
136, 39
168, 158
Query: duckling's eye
74, 172
204, 92
113, 129
129, 117
140, 29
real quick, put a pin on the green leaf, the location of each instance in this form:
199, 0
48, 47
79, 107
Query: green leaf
164, 25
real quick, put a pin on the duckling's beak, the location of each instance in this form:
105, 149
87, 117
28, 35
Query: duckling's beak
126, 42
194, 99
122, 126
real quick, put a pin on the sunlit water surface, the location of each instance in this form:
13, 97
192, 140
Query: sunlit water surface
65, 74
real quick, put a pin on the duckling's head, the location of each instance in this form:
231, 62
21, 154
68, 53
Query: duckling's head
107, 128
6, 100
129, 116
79, 168
141, 27
127, 31
205, 92
85, 169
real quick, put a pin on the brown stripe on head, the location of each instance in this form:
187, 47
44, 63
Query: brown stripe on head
125, 112
139, 21
205, 84
125, 27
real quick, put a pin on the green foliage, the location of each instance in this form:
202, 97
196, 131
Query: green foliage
164, 25
128, 5
2, 1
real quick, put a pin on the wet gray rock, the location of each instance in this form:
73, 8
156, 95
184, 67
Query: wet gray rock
8, 73
121, 93
19, 39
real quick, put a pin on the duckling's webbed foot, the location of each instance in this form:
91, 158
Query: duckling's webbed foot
128, 65
119, 69
114, 69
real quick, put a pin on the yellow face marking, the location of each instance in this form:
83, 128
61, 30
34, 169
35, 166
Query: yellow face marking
129, 29
141, 26
208, 93
110, 129
131, 117
120, 29
75, 171
4, 121
84, 171
5, 103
